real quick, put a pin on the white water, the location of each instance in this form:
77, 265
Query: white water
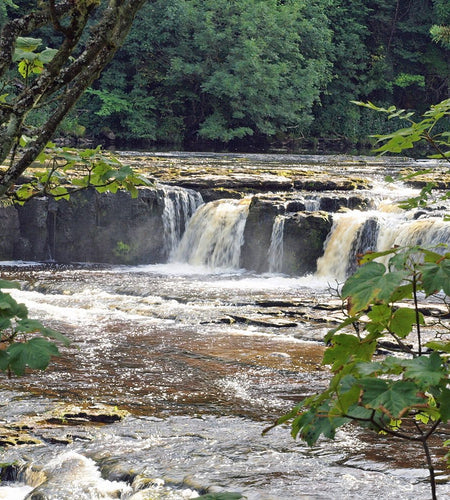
395, 229
179, 206
214, 235
275, 256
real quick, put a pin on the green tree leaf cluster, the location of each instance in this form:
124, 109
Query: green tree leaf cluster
218, 70
85, 36
405, 396
24, 342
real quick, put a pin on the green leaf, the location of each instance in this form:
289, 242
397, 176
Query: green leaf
371, 283
436, 276
425, 370
439, 346
403, 320
32, 325
47, 55
369, 368
444, 405
35, 353
9, 284
347, 399
348, 321
4, 323
4, 360
392, 398
347, 348
27, 43
380, 314
11, 308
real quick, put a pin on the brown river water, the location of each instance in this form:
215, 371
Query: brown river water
203, 358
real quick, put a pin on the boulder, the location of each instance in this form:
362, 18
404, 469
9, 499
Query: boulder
9, 232
304, 237
258, 231
107, 227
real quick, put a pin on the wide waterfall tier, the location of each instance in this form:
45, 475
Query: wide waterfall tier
214, 235
355, 233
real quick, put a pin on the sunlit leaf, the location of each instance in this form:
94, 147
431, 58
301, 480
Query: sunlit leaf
371, 283
393, 397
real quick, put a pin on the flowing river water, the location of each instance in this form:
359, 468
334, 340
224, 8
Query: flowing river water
203, 355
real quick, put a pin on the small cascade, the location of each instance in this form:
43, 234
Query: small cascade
340, 245
427, 232
179, 206
355, 233
214, 235
312, 204
275, 253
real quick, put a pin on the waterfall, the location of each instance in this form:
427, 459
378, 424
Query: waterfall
427, 232
214, 235
275, 253
339, 244
179, 206
312, 204
356, 232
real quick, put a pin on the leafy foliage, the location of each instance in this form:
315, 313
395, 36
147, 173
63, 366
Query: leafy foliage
404, 396
67, 170
84, 35
24, 342
217, 70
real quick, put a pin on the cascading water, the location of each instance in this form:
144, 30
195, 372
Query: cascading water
203, 361
275, 254
214, 235
335, 260
179, 206
356, 232
428, 232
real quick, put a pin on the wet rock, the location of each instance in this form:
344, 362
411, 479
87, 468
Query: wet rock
304, 237
236, 181
11, 437
334, 203
319, 183
9, 224
258, 230
264, 321
115, 228
78, 415
90, 227
220, 194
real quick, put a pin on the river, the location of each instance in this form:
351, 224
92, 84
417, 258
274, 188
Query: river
203, 356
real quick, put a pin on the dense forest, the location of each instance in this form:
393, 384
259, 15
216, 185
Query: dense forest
259, 73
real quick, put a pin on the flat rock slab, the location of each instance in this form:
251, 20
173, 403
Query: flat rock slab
260, 182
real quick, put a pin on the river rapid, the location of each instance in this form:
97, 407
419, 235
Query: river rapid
203, 358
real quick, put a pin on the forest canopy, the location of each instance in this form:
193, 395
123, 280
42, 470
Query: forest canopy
227, 73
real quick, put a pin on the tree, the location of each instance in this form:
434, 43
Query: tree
408, 396
53, 79
217, 70
382, 51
